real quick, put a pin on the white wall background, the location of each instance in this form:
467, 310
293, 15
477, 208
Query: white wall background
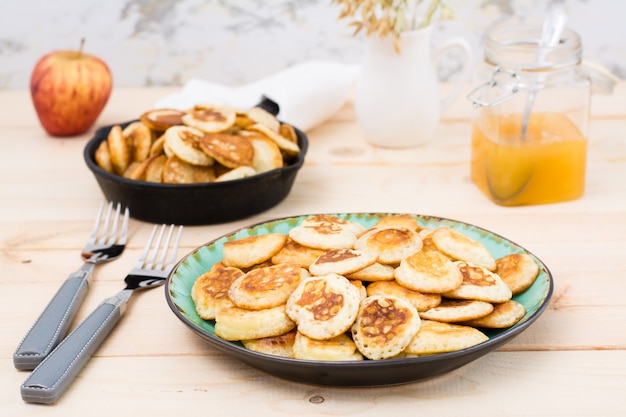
167, 42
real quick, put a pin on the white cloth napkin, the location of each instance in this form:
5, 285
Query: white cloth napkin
307, 94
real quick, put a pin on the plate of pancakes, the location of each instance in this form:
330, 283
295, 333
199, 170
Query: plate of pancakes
359, 299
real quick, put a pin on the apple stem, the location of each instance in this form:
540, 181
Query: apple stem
80, 50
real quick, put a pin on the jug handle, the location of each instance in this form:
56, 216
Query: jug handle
466, 54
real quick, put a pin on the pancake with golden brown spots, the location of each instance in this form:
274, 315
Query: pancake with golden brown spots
281, 345
384, 326
455, 311
518, 271
430, 272
462, 248
162, 119
266, 287
294, 253
154, 170
263, 117
286, 145
184, 142
234, 323
480, 284
338, 348
139, 137
325, 232
210, 291
324, 307
436, 337
210, 119
232, 151
177, 171
421, 301
390, 244
342, 262
252, 250
503, 315
103, 157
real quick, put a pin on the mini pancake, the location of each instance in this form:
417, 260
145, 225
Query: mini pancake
262, 116
154, 170
252, 250
342, 262
210, 291
139, 137
232, 151
480, 284
518, 271
503, 315
357, 228
177, 171
158, 146
119, 150
281, 345
436, 337
287, 146
430, 272
391, 244
267, 155
324, 307
294, 253
455, 311
421, 301
162, 119
266, 287
324, 233
288, 131
103, 157
374, 272
210, 119
384, 326
398, 221
461, 247
184, 142
236, 174
339, 348
234, 323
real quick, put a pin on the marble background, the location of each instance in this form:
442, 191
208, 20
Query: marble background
167, 42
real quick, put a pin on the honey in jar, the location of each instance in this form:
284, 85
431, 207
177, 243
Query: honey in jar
529, 134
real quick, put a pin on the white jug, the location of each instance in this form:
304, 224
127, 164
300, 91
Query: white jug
397, 99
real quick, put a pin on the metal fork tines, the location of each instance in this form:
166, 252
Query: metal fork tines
54, 375
106, 242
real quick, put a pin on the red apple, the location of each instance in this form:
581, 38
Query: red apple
69, 90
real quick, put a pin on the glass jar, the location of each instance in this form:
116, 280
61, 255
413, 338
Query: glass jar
529, 133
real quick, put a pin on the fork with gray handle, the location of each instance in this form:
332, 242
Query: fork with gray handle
106, 242
55, 374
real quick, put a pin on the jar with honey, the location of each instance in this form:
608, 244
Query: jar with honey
532, 102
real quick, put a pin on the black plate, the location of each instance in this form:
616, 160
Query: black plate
196, 204
351, 373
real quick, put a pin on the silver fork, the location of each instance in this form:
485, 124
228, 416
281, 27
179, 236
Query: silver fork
54, 375
106, 242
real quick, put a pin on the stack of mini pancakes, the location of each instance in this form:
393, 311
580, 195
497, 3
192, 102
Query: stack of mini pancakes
333, 290
203, 144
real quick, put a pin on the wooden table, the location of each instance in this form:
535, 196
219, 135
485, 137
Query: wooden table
571, 362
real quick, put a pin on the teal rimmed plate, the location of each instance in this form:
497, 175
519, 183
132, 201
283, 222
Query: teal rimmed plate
348, 373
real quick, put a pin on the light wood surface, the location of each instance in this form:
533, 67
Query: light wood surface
571, 362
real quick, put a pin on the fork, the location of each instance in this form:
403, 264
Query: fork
54, 375
106, 242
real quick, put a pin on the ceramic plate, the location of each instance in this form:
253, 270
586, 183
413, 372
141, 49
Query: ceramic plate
347, 373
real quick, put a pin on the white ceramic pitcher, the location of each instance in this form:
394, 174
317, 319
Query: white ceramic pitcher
397, 98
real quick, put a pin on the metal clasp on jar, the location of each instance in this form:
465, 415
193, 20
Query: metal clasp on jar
476, 96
